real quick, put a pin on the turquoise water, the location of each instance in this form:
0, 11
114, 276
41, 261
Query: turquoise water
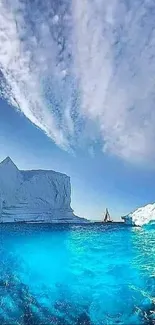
80, 275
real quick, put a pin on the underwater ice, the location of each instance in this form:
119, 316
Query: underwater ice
77, 275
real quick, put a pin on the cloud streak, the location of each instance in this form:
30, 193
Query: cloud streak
29, 64
72, 66
116, 65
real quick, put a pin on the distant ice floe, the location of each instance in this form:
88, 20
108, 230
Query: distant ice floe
141, 216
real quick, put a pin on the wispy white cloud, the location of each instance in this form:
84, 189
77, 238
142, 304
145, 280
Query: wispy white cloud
116, 64
69, 66
29, 64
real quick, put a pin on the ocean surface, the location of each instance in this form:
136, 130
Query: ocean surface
77, 275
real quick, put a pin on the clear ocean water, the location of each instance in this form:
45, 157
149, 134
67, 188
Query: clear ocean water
77, 275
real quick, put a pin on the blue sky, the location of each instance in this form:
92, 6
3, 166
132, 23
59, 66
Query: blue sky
77, 96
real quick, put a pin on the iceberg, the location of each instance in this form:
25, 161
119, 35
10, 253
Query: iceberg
34, 195
141, 216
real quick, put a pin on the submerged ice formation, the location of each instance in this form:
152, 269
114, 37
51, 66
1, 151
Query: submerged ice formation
141, 216
34, 195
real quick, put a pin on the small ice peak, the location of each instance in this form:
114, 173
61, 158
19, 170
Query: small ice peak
7, 161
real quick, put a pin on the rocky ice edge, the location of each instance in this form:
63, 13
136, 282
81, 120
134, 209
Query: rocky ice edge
34, 195
141, 216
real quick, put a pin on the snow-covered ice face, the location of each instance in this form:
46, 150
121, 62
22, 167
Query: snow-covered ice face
142, 216
34, 194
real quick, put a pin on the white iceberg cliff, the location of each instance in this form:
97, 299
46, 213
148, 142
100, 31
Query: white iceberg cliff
34, 195
141, 216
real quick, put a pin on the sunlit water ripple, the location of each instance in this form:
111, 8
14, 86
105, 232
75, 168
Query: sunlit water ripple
77, 275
